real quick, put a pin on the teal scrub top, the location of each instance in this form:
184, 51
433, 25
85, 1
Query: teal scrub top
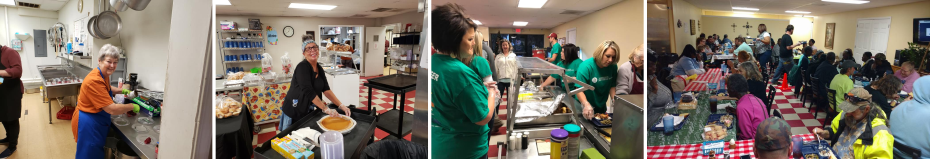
570, 70
480, 65
459, 100
602, 79
557, 52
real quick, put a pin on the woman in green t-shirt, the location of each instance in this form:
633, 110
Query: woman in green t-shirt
601, 73
569, 62
460, 100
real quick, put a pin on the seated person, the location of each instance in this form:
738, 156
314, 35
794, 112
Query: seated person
687, 65
867, 62
909, 121
754, 79
884, 89
826, 70
879, 67
773, 140
860, 130
819, 57
750, 110
908, 75
843, 82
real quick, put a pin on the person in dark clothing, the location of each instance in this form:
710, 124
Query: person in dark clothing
756, 84
804, 62
878, 68
826, 70
866, 63
884, 89
847, 56
308, 87
786, 56
11, 97
819, 57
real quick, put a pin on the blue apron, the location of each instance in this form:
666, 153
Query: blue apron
92, 132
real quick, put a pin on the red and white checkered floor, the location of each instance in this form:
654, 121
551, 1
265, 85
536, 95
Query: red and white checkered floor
381, 100
797, 116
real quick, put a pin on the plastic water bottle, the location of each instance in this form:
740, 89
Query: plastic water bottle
723, 69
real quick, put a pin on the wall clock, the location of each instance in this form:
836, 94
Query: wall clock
288, 31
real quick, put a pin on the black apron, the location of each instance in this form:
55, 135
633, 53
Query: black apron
11, 98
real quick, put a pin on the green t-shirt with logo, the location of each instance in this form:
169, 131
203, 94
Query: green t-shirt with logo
459, 100
570, 70
602, 79
557, 53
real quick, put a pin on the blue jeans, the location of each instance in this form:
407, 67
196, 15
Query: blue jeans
784, 67
287, 121
764, 59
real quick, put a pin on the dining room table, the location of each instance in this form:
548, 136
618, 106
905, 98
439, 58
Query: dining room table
712, 75
692, 151
693, 129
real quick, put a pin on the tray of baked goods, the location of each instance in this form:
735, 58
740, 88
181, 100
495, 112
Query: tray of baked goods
601, 120
357, 130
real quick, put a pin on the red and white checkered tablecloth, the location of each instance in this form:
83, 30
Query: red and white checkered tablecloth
692, 151
700, 83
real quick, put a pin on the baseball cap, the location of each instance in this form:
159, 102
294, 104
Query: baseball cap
552, 35
773, 134
848, 64
857, 97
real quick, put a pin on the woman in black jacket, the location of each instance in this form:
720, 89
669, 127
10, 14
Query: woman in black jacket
308, 86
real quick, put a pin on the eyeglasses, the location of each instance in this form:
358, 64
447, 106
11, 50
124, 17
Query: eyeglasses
314, 48
853, 99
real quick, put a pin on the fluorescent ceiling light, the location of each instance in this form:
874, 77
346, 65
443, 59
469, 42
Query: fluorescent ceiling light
531, 3
744, 8
215, 2
311, 6
519, 23
847, 1
799, 12
477, 22
7, 2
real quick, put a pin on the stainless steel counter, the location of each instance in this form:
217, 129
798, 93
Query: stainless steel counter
128, 135
219, 86
543, 133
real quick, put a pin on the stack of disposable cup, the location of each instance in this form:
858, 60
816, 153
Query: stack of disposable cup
331, 145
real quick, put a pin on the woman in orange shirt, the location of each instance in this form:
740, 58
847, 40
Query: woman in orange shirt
91, 120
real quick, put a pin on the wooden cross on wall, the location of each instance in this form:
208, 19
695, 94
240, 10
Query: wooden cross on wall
747, 26
734, 27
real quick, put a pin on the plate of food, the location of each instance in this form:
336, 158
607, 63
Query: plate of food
602, 120
725, 120
713, 132
341, 124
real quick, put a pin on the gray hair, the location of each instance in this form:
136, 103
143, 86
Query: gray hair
750, 71
108, 51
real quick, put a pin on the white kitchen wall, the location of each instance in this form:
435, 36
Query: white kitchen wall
292, 45
144, 37
24, 20
69, 15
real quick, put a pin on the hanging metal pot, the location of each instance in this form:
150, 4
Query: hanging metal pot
107, 24
119, 5
137, 5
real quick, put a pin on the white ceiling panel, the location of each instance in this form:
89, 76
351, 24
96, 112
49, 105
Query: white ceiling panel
816, 7
502, 13
345, 8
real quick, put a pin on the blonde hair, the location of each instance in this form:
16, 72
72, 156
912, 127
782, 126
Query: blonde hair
601, 49
744, 56
108, 51
478, 43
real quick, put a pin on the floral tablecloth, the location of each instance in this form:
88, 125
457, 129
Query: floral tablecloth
265, 102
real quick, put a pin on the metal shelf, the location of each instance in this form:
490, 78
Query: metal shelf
253, 39
247, 61
236, 31
255, 48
